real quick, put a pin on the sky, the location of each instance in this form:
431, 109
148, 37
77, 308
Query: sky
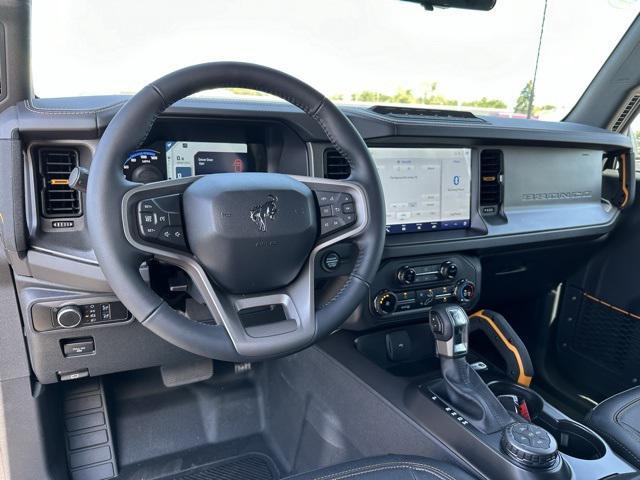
86, 47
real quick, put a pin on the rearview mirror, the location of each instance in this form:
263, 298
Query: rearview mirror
485, 5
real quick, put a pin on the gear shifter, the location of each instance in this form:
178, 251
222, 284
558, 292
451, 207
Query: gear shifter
463, 387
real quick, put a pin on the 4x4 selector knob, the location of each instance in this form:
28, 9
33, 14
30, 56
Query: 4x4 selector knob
448, 270
385, 302
69, 316
406, 275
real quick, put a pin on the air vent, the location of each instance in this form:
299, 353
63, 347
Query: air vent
426, 113
625, 113
56, 198
490, 181
336, 166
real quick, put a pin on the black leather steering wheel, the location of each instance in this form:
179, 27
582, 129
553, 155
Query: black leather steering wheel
245, 240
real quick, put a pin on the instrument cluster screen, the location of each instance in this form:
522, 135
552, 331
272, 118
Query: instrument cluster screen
184, 158
425, 189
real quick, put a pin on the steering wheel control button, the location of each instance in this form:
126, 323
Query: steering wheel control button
69, 316
160, 221
337, 211
326, 211
529, 445
172, 236
331, 261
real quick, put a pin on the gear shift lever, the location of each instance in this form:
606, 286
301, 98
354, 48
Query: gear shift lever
464, 389
450, 327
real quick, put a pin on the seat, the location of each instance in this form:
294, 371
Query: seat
390, 467
617, 419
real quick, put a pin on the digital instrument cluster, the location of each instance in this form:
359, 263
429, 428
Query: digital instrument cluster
179, 158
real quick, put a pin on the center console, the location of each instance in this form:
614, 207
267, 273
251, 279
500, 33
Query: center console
430, 373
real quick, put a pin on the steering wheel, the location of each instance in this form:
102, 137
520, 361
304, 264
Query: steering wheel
246, 240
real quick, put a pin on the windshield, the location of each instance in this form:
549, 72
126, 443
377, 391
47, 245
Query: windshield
362, 51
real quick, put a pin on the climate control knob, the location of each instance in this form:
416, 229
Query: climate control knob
406, 275
69, 316
464, 291
448, 270
385, 302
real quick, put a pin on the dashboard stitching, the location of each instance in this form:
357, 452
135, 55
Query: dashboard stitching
45, 111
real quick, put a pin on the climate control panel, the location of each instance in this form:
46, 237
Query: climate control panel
413, 285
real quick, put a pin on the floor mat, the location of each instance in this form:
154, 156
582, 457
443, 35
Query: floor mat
245, 467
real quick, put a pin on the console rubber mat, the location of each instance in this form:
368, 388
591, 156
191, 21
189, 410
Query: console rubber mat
252, 466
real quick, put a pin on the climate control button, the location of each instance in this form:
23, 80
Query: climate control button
406, 275
464, 291
385, 303
448, 270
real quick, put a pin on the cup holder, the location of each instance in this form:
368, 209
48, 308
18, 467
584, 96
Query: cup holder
573, 439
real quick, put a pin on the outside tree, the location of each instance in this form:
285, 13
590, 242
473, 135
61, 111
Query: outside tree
485, 102
522, 103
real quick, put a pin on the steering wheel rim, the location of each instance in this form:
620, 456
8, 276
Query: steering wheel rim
120, 252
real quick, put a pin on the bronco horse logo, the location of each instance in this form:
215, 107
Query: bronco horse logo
260, 213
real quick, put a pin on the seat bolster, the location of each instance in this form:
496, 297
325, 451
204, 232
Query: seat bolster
617, 419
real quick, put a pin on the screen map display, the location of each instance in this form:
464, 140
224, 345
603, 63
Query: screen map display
185, 159
425, 189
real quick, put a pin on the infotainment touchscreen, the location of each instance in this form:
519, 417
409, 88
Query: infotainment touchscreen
425, 189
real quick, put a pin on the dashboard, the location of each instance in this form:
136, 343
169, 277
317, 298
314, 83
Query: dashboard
476, 208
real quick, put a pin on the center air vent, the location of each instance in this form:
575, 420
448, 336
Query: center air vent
56, 198
336, 166
490, 181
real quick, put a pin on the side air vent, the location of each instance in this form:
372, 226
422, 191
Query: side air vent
56, 198
490, 181
336, 166
625, 113
426, 113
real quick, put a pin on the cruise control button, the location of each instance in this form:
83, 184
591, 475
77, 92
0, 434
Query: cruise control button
147, 218
162, 219
149, 231
146, 206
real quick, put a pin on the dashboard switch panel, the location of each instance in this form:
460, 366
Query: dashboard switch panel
54, 317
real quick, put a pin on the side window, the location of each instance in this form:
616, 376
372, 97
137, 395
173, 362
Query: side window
634, 133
